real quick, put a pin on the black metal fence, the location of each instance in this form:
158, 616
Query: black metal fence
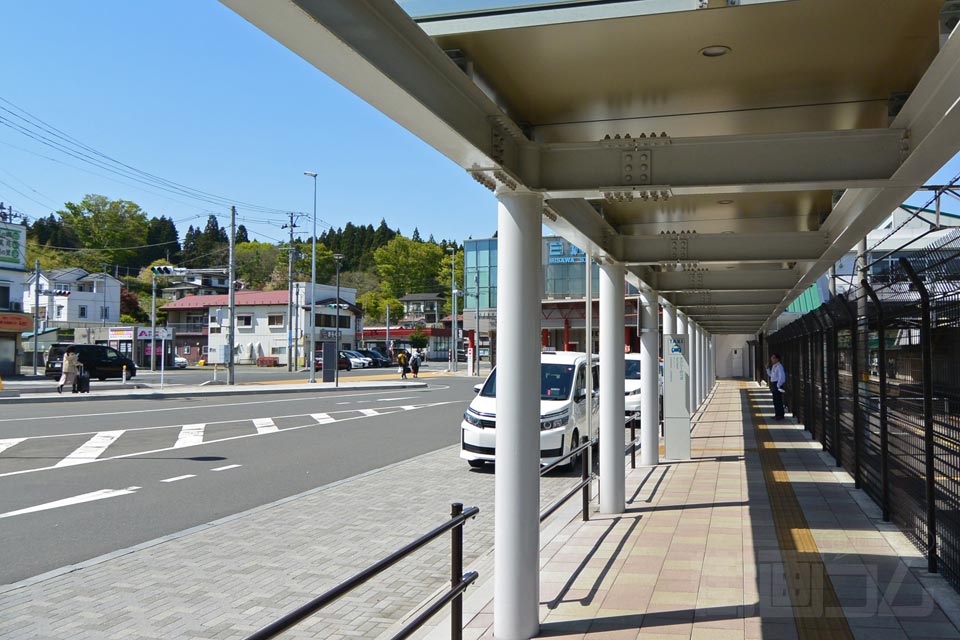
874, 374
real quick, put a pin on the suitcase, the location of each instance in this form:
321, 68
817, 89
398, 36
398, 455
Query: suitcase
83, 381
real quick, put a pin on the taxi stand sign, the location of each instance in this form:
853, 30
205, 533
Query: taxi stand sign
676, 397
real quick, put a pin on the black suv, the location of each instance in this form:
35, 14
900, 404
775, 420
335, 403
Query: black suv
99, 361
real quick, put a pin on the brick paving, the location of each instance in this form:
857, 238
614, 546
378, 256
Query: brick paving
230, 579
703, 552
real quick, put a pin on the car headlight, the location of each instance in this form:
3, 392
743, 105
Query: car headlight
554, 421
471, 419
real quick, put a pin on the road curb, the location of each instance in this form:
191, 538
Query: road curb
213, 393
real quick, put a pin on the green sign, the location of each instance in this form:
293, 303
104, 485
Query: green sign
11, 244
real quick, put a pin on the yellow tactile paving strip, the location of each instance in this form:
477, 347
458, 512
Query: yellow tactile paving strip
817, 611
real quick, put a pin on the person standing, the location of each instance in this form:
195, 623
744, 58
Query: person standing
402, 360
778, 377
69, 371
415, 364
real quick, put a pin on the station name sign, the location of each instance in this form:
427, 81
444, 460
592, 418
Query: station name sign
560, 252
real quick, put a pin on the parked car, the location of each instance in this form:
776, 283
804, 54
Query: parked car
379, 360
563, 410
356, 356
100, 361
179, 362
631, 384
343, 362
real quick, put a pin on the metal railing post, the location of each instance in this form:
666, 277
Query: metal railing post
882, 366
456, 573
585, 492
822, 360
834, 366
855, 388
926, 345
633, 442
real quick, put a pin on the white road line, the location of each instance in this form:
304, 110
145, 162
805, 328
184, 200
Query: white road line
229, 466
321, 397
10, 442
91, 449
322, 418
85, 497
179, 478
369, 412
265, 425
190, 435
228, 439
392, 399
343, 403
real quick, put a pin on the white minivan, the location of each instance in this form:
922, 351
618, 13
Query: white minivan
563, 410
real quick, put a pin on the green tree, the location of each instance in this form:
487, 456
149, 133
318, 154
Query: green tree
241, 236
418, 339
111, 227
164, 240
374, 305
256, 262
406, 266
444, 278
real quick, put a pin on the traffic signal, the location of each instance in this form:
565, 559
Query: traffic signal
166, 270
342, 305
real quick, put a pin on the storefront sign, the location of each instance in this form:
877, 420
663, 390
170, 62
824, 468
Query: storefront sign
163, 333
12, 243
120, 333
15, 322
560, 252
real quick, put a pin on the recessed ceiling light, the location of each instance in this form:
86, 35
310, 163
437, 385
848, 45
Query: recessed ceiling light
715, 51
724, 201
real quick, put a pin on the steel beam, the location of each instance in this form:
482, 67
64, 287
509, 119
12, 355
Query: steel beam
727, 311
725, 299
769, 162
739, 280
721, 247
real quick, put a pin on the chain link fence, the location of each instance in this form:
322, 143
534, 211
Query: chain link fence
874, 375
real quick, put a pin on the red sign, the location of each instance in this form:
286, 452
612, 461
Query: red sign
15, 322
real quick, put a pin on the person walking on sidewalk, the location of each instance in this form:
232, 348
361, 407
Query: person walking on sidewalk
68, 374
402, 360
777, 377
415, 364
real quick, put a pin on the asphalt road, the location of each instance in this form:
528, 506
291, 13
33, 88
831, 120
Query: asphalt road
78, 481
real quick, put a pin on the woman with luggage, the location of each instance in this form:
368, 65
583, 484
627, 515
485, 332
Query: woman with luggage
71, 366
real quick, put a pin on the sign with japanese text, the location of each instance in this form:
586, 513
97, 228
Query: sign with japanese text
13, 244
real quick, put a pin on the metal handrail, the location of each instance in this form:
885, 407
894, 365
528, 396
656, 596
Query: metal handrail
458, 583
586, 477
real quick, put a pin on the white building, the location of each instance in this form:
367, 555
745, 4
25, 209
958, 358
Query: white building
13, 322
201, 323
94, 298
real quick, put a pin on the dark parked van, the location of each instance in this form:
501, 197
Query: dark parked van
100, 361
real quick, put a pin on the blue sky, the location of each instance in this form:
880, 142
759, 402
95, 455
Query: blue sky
187, 90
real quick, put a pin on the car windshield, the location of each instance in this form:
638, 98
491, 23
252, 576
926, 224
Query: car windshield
632, 371
556, 382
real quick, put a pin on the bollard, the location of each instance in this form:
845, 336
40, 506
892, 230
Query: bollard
633, 442
124, 375
456, 573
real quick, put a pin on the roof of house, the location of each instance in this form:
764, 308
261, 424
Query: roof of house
243, 298
416, 297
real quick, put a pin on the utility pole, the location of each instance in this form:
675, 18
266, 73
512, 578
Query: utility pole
36, 316
453, 307
232, 328
153, 326
290, 226
476, 283
387, 345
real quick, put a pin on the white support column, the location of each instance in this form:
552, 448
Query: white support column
649, 379
691, 340
669, 319
612, 474
704, 366
517, 529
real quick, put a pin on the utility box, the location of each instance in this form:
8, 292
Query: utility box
329, 362
676, 397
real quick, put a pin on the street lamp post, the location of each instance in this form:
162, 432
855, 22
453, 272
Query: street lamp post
338, 257
313, 284
453, 308
476, 356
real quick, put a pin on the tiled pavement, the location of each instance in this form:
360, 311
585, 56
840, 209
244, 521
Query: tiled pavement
229, 579
756, 537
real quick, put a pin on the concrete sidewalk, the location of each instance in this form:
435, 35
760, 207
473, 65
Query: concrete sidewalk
758, 536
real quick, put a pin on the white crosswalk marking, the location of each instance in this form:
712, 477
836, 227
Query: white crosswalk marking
91, 449
369, 412
190, 434
9, 442
322, 418
179, 478
265, 425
